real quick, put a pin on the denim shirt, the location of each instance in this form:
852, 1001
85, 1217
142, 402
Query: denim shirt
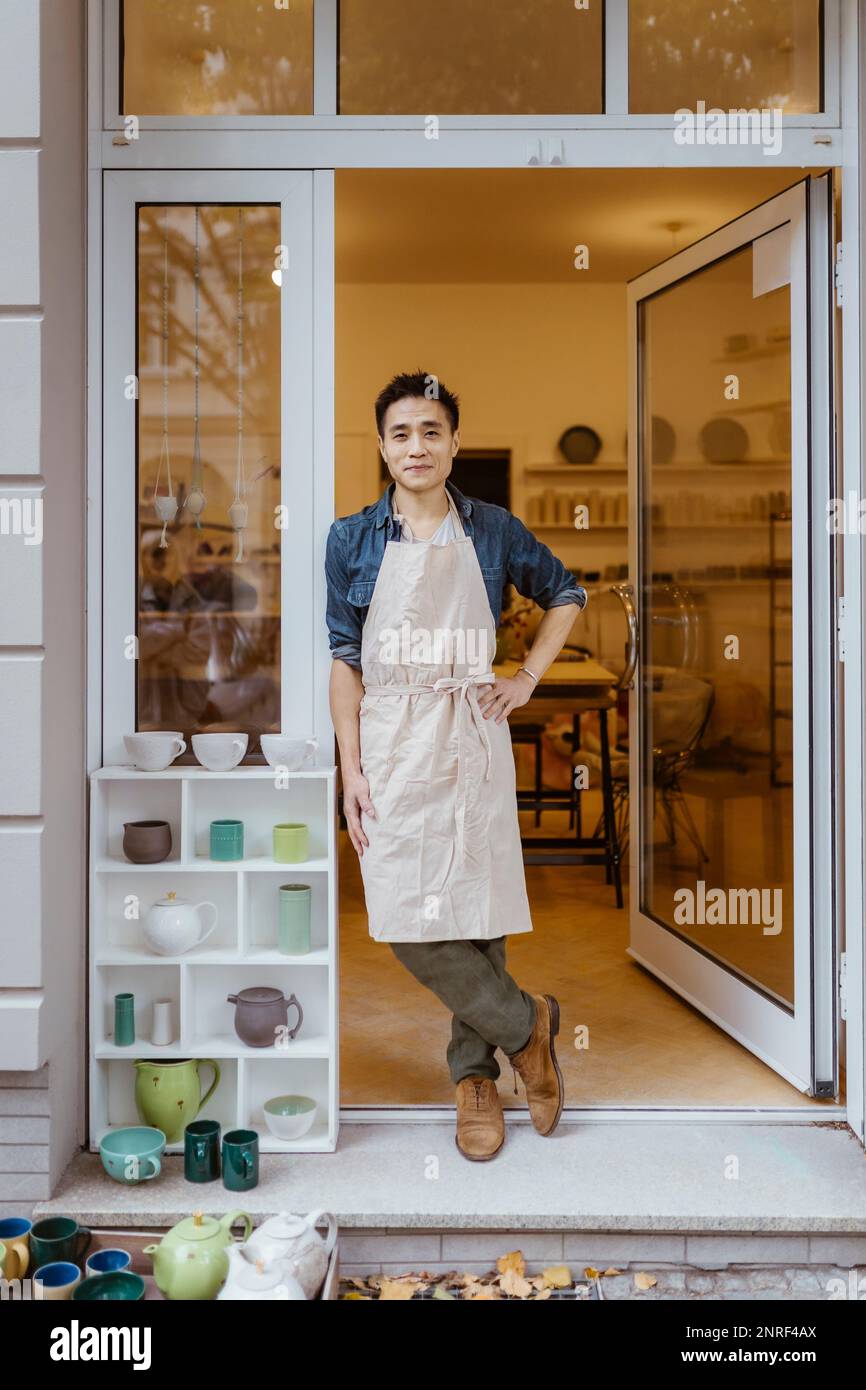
508, 553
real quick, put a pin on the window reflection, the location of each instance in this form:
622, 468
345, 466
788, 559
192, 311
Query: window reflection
745, 53
497, 57
717, 643
223, 57
208, 593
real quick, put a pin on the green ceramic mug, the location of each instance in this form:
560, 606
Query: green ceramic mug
293, 932
240, 1159
201, 1151
57, 1238
291, 843
226, 840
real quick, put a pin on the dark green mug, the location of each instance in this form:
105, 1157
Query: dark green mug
201, 1151
57, 1238
240, 1159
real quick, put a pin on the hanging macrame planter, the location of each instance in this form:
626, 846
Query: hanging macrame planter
195, 499
239, 510
165, 506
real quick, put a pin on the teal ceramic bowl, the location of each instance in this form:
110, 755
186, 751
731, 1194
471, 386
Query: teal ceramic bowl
120, 1284
133, 1154
288, 1117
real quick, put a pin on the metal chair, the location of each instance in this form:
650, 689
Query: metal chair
680, 709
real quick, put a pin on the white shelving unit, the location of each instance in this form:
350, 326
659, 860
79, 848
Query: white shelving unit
240, 953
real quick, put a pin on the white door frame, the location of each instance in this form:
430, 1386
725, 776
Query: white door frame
837, 139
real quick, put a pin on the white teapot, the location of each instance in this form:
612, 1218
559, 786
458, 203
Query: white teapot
251, 1276
295, 1240
173, 925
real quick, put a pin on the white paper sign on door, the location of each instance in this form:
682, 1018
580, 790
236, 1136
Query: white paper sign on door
771, 260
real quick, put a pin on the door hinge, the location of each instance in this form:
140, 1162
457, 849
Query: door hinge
842, 628
843, 984
838, 275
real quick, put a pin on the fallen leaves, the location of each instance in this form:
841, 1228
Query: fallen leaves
508, 1281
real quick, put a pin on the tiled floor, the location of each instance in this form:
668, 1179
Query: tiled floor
646, 1046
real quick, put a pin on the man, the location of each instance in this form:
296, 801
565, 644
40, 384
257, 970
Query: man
415, 586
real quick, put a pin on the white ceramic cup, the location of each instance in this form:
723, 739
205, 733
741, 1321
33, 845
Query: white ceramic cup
163, 1031
152, 752
281, 750
219, 752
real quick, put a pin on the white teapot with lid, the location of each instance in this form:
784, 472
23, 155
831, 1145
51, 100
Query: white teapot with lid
251, 1276
173, 925
295, 1240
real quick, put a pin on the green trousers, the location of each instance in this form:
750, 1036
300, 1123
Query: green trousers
489, 1008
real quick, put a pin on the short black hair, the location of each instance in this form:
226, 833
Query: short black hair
425, 385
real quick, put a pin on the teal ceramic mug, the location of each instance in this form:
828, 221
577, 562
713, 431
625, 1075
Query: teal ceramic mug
133, 1154
293, 931
226, 840
291, 843
201, 1151
240, 1159
56, 1239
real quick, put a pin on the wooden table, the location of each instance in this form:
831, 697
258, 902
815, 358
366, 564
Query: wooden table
574, 687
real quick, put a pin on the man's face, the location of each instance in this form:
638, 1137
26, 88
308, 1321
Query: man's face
417, 443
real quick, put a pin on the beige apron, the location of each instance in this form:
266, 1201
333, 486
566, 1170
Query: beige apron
444, 860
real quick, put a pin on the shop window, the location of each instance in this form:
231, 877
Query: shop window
735, 54
208, 469
217, 58
490, 57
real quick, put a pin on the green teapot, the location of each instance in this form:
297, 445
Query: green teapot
191, 1261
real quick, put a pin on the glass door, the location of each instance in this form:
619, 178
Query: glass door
208, 525
732, 756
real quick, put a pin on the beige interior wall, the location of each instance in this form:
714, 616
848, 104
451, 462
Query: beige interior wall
527, 361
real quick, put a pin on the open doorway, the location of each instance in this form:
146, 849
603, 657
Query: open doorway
477, 276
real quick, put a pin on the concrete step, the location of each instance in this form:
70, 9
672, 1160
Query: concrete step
705, 1194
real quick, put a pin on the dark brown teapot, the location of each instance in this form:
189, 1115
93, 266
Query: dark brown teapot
262, 1016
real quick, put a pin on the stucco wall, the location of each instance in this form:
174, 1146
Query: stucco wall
42, 632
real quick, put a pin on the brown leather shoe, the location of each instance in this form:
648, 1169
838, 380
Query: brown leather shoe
539, 1068
480, 1121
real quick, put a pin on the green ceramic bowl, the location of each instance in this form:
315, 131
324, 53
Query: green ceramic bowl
119, 1284
133, 1153
288, 1117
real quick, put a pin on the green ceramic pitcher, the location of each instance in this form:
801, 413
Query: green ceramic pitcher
168, 1094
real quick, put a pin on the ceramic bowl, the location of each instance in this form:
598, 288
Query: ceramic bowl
110, 1260
288, 1117
145, 1143
219, 752
120, 1284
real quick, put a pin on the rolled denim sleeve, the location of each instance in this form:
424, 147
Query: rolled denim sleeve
537, 573
343, 618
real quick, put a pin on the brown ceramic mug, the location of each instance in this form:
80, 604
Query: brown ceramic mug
147, 841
